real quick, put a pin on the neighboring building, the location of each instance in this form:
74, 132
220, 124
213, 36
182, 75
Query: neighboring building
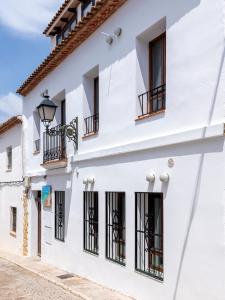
139, 207
11, 186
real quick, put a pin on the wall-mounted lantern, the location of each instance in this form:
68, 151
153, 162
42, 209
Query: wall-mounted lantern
46, 110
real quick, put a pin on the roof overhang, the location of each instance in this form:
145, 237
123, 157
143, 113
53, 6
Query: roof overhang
94, 19
10, 123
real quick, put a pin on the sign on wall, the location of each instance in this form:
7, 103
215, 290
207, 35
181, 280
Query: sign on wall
46, 196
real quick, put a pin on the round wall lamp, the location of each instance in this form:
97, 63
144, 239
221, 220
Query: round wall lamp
91, 180
85, 181
164, 177
150, 177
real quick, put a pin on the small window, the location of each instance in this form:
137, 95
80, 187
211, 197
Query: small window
91, 222
149, 234
36, 131
60, 215
115, 227
86, 7
13, 218
9, 158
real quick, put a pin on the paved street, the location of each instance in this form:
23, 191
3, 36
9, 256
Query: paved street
17, 283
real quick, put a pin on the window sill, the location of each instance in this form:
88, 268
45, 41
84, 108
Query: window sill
147, 116
55, 164
13, 234
94, 133
8, 170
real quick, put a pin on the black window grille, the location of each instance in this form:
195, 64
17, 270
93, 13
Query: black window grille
149, 234
115, 227
60, 215
91, 222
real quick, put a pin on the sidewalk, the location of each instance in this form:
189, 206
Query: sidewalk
78, 286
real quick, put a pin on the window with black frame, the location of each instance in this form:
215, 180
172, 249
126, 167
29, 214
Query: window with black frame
91, 222
115, 227
149, 234
86, 7
60, 215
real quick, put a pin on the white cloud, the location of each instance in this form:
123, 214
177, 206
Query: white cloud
10, 105
28, 16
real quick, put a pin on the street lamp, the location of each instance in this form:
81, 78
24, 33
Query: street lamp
46, 110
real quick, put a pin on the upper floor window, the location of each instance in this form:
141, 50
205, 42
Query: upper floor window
70, 25
9, 158
149, 234
86, 7
91, 105
154, 100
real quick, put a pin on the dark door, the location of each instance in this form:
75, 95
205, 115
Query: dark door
39, 223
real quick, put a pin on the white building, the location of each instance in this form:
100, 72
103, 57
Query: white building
11, 186
139, 207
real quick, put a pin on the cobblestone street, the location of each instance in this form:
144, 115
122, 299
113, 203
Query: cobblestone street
17, 283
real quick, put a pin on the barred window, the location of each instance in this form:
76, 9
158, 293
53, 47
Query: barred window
115, 227
60, 215
91, 222
149, 234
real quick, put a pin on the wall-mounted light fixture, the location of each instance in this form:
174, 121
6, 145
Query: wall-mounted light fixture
108, 38
91, 180
164, 177
46, 110
118, 32
85, 181
150, 177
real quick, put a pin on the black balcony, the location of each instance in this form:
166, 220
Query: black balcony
91, 124
153, 101
54, 147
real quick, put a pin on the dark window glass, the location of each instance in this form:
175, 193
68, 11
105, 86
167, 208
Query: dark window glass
115, 227
13, 219
60, 215
91, 222
9, 158
149, 234
86, 7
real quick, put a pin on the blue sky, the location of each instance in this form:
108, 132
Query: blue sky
23, 46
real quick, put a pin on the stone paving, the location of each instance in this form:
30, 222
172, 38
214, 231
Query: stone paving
30, 278
17, 283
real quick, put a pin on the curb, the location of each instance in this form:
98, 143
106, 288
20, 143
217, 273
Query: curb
56, 282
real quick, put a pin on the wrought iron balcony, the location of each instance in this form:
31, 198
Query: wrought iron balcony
91, 124
153, 101
54, 146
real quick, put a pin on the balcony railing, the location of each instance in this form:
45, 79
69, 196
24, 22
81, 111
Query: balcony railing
153, 101
54, 147
91, 124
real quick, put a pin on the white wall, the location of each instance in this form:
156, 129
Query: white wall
11, 194
124, 151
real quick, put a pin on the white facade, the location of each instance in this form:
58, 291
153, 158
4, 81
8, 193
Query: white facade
190, 131
11, 191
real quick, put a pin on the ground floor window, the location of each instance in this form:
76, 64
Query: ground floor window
149, 234
91, 222
60, 215
13, 217
115, 227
